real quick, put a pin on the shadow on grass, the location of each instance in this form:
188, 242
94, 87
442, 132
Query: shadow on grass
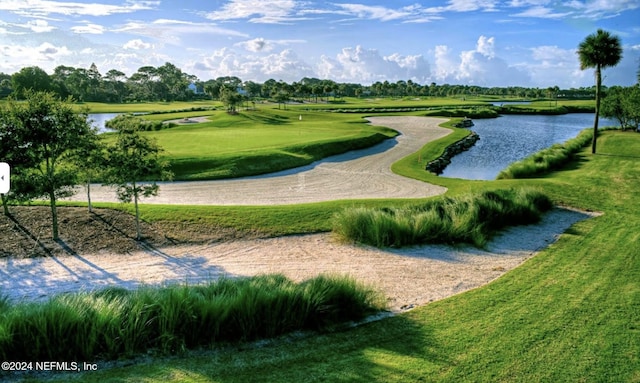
370, 352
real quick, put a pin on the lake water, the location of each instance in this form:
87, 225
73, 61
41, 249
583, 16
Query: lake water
100, 118
510, 138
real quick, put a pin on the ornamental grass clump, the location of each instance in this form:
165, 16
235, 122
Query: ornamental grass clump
548, 159
116, 323
472, 219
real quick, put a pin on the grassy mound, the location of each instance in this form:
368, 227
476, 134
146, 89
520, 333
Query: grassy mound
116, 323
466, 219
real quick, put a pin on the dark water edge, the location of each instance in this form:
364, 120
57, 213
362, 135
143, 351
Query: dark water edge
510, 138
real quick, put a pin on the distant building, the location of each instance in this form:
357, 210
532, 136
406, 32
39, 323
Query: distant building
195, 89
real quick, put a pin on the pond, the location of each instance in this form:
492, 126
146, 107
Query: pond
510, 138
99, 119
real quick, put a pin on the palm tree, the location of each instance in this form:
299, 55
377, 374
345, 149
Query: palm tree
599, 50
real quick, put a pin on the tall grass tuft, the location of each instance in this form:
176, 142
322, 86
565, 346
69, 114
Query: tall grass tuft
467, 219
116, 323
548, 159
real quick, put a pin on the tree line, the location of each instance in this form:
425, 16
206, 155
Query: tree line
169, 83
52, 148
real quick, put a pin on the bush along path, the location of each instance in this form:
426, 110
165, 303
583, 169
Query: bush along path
469, 219
115, 322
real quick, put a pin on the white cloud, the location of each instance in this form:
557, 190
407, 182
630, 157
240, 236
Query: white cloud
464, 6
256, 45
47, 7
258, 11
261, 44
137, 44
286, 66
376, 12
39, 26
46, 55
480, 67
486, 46
551, 65
367, 66
171, 31
89, 28
471, 5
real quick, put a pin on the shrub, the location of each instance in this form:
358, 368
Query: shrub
467, 219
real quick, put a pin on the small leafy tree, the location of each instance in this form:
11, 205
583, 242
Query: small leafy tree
632, 106
134, 159
10, 152
623, 104
230, 98
613, 106
47, 131
599, 50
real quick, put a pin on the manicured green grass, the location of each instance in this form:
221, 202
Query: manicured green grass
471, 219
570, 314
146, 107
261, 141
388, 103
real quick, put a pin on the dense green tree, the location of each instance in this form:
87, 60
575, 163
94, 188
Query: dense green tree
49, 132
632, 105
134, 165
30, 78
599, 50
12, 152
613, 106
230, 98
115, 85
174, 81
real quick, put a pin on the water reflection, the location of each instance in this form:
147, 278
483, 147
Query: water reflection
99, 119
511, 138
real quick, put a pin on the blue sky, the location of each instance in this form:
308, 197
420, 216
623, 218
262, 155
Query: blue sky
479, 42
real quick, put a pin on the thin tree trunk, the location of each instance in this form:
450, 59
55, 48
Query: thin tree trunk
54, 216
597, 117
5, 205
135, 202
89, 196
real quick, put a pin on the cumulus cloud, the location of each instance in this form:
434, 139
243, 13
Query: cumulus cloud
551, 65
256, 45
285, 65
45, 55
479, 66
137, 44
263, 45
486, 46
39, 26
367, 66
